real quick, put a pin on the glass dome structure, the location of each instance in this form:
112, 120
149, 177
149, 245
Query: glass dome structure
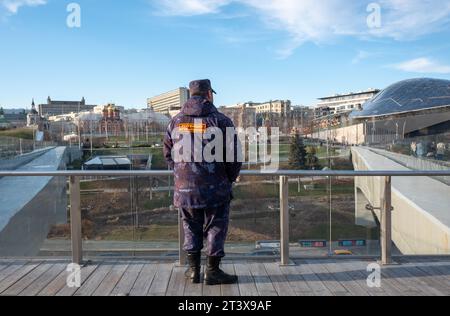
407, 96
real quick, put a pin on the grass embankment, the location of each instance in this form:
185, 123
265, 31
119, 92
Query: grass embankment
24, 133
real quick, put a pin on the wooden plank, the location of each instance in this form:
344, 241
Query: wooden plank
262, 280
5, 263
313, 281
86, 272
123, 288
357, 271
194, 289
161, 280
229, 289
144, 280
15, 274
296, 281
279, 281
177, 282
11, 268
26, 280
247, 285
395, 276
111, 280
328, 279
389, 286
440, 269
435, 277
55, 285
339, 273
424, 281
34, 288
94, 280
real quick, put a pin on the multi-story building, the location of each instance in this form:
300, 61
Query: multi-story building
281, 107
16, 117
301, 119
242, 115
169, 103
343, 103
54, 108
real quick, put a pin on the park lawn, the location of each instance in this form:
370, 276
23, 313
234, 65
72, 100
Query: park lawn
265, 191
154, 232
23, 133
340, 231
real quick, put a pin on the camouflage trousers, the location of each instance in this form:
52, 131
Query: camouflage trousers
210, 224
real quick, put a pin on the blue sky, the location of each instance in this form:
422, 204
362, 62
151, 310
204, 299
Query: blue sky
253, 50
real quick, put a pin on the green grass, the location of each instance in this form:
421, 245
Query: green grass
160, 202
265, 191
340, 231
155, 232
23, 133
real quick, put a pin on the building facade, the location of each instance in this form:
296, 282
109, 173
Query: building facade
343, 103
280, 107
55, 108
169, 103
242, 115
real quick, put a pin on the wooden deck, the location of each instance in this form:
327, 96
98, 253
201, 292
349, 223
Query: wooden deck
309, 277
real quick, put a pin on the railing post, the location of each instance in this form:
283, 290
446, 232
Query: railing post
182, 253
75, 220
386, 222
284, 220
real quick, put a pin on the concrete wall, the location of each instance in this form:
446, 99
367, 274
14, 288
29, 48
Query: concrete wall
421, 216
415, 163
30, 206
353, 135
12, 164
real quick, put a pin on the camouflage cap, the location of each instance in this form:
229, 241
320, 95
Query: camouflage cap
200, 86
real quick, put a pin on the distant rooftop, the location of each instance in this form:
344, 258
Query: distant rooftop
371, 90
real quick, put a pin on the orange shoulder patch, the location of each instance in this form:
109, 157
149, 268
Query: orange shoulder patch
192, 128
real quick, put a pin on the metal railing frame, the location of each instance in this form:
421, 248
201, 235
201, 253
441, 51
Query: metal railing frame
386, 201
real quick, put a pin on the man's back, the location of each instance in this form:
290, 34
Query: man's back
198, 183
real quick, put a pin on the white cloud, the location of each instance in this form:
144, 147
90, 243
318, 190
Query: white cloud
362, 55
319, 21
423, 65
190, 7
13, 6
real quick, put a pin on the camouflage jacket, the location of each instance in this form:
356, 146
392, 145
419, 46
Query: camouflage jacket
198, 183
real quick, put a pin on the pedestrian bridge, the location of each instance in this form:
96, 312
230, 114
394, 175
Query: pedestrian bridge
421, 205
331, 277
296, 275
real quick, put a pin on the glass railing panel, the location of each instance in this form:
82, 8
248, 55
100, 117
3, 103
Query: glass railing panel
254, 228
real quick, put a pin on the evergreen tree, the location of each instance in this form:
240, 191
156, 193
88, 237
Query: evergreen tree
312, 162
297, 156
2, 112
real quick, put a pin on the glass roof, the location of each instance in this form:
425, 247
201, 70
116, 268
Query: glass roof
408, 95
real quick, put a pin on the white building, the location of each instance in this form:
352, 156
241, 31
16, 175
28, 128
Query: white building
169, 103
344, 103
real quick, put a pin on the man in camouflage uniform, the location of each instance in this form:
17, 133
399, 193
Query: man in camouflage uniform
203, 189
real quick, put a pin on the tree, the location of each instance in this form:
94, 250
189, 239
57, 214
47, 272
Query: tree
2, 112
297, 156
312, 162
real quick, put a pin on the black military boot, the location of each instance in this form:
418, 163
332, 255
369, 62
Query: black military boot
193, 273
215, 276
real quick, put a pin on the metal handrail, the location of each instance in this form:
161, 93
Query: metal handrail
287, 173
386, 201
